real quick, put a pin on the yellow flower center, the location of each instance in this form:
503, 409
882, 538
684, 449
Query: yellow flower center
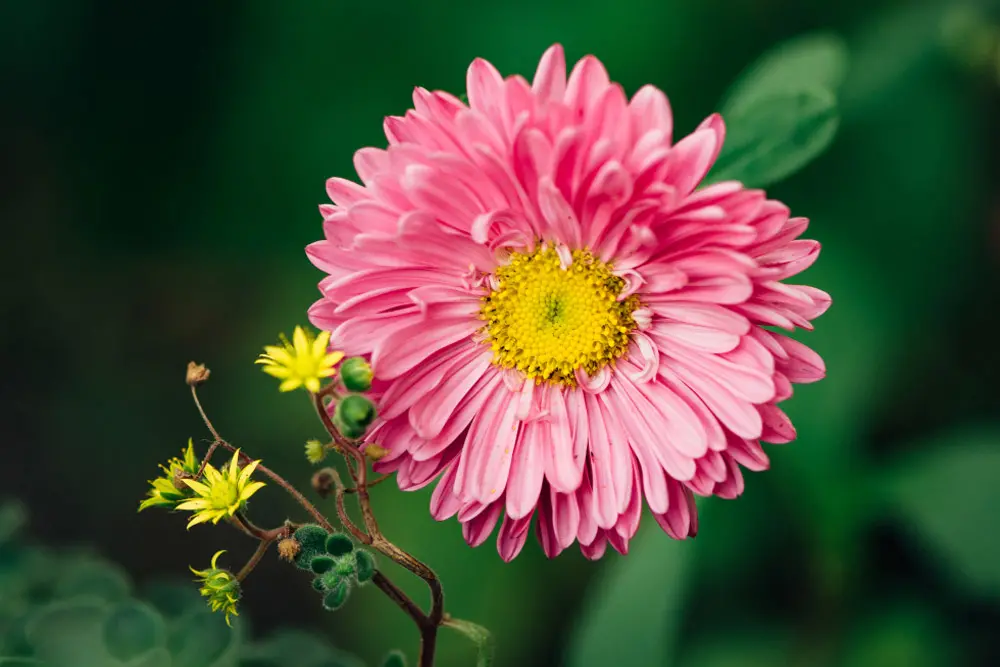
547, 321
224, 494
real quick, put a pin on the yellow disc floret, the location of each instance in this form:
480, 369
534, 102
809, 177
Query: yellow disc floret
547, 320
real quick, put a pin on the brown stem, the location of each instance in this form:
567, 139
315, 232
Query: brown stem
360, 475
428, 629
204, 416
400, 598
283, 483
208, 454
262, 547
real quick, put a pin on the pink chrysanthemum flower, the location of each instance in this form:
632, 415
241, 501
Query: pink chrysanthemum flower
560, 323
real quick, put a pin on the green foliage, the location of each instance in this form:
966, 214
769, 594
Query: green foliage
73, 609
948, 493
337, 595
394, 659
478, 635
322, 564
312, 543
339, 544
651, 578
781, 113
312, 537
808, 61
365, 565
771, 136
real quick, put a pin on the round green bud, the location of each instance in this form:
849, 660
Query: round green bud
311, 536
321, 564
366, 565
339, 544
356, 410
337, 596
356, 374
394, 659
350, 431
318, 584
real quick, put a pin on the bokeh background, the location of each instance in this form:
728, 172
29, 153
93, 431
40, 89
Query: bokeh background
161, 166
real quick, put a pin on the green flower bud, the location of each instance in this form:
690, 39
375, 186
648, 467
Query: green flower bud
356, 411
356, 374
322, 564
350, 431
337, 596
318, 584
394, 659
315, 451
366, 565
339, 544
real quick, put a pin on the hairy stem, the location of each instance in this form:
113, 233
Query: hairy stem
262, 547
429, 626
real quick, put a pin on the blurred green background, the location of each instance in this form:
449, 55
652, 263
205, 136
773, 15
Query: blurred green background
161, 166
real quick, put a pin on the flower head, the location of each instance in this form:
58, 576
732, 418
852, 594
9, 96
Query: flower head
221, 494
315, 451
561, 321
168, 489
304, 361
220, 587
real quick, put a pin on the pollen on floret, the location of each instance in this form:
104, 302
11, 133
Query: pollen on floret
548, 317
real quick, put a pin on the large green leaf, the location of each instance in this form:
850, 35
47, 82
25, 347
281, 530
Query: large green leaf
632, 612
949, 494
815, 60
132, 630
773, 136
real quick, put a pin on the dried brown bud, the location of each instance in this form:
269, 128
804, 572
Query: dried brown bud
197, 374
375, 451
323, 482
289, 548
179, 476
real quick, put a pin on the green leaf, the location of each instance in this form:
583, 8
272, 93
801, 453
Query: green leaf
479, 636
132, 630
771, 137
815, 60
295, 648
950, 495
89, 577
158, 657
906, 632
631, 614
202, 639
68, 633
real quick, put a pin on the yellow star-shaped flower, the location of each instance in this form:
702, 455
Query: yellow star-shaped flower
221, 494
303, 362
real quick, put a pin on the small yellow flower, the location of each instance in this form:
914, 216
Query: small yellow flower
220, 587
167, 489
315, 451
304, 361
221, 494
